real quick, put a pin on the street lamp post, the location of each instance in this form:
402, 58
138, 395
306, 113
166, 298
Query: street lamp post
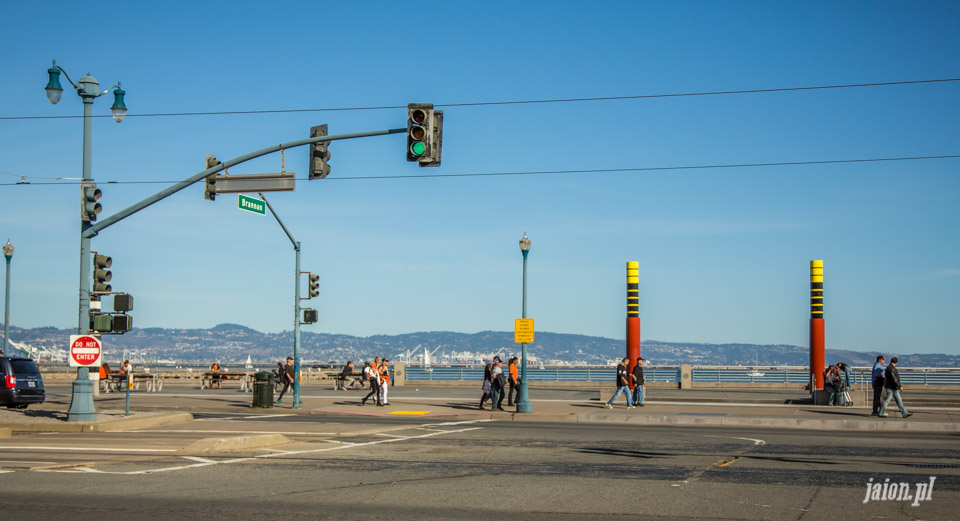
8, 253
523, 401
81, 404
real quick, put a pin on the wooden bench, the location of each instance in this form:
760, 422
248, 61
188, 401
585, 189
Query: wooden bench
115, 381
209, 377
338, 380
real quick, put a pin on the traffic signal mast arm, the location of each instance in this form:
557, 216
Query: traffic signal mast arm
93, 230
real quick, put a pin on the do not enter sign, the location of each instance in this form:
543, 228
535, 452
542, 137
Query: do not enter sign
84, 351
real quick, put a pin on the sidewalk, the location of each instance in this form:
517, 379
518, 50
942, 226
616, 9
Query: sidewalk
663, 407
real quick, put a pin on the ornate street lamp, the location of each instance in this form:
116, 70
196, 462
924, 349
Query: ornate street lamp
523, 401
8, 253
81, 404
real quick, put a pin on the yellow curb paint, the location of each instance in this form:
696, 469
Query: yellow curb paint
410, 413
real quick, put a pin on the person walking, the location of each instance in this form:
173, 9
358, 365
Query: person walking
288, 379
514, 393
877, 382
497, 383
622, 386
486, 384
891, 380
384, 381
373, 376
639, 383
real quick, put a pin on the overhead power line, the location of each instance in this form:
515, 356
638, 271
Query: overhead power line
560, 172
514, 102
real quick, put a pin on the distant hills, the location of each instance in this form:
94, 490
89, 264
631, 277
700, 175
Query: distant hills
232, 343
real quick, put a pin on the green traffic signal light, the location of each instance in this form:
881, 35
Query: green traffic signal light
418, 148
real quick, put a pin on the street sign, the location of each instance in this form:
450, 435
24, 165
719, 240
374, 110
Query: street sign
523, 331
253, 183
251, 204
84, 351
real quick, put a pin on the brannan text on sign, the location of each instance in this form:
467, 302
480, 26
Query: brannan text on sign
251, 204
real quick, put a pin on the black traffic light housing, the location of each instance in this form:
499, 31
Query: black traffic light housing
319, 154
310, 316
313, 286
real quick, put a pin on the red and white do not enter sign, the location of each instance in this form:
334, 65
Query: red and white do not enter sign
84, 351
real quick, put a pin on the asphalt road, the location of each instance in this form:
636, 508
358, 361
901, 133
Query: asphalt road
412, 468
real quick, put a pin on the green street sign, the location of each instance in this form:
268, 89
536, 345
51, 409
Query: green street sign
252, 204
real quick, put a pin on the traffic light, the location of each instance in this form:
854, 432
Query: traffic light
310, 316
314, 290
122, 303
210, 187
122, 323
102, 323
319, 154
90, 207
101, 273
419, 119
424, 134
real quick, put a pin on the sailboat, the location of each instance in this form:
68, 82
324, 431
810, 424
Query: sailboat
249, 364
755, 373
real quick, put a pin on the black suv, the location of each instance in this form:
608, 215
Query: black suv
20, 382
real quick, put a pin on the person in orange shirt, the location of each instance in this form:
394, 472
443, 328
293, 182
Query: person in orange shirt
514, 381
373, 374
384, 381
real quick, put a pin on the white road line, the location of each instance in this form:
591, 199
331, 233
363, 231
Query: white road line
465, 422
754, 440
199, 460
34, 462
84, 449
206, 463
174, 431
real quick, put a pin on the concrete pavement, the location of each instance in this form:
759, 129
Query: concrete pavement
708, 407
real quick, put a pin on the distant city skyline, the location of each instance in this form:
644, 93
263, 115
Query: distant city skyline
723, 252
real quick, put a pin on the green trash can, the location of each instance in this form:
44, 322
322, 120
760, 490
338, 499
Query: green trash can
262, 389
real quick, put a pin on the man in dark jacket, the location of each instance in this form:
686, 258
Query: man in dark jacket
639, 383
623, 377
877, 381
891, 380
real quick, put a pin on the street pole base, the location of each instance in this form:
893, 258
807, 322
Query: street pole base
81, 404
523, 400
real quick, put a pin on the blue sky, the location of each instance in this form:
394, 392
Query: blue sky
724, 253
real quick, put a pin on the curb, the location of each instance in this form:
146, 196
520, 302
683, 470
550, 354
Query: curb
773, 423
103, 426
237, 443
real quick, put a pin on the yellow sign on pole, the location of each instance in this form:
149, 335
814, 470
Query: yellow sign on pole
523, 331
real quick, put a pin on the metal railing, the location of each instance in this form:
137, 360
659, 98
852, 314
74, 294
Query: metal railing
701, 374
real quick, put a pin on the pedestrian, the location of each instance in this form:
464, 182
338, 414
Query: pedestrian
373, 376
288, 379
846, 381
877, 382
514, 393
384, 381
833, 384
215, 375
891, 380
622, 386
639, 383
486, 384
346, 376
497, 383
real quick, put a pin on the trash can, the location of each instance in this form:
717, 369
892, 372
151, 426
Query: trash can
262, 389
